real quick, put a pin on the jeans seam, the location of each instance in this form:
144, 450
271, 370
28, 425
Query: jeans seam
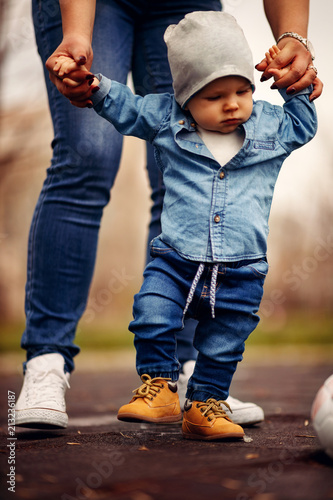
32, 246
38, 209
148, 67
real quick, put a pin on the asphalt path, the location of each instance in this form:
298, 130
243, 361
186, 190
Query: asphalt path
98, 457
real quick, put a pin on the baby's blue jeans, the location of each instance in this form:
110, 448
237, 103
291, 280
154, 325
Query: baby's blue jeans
158, 318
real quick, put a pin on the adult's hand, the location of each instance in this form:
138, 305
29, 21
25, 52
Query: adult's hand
301, 73
79, 49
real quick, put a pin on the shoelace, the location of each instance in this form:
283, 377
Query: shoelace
212, 291
150, 387
213, 409
45, 386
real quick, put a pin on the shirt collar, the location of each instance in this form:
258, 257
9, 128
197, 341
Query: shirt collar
181, 119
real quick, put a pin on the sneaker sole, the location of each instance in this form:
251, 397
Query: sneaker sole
132, 417
213, 438
41, 419
246, 419
248, 423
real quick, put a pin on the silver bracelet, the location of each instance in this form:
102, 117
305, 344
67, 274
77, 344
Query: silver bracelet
307, 44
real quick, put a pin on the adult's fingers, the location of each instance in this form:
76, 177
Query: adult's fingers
76, 78
83, 104
317, 89
71, 91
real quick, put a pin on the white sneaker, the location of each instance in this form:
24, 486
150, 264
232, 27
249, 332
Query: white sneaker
242, 413
184, 376
41, 404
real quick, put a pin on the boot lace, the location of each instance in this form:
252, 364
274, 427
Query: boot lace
150, 387
213, 409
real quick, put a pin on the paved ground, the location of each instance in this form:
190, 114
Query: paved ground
98, 457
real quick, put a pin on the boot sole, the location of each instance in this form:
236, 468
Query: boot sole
41, 419
132, 417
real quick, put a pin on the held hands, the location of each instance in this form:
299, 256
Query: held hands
296, 59
277, 73
68, 70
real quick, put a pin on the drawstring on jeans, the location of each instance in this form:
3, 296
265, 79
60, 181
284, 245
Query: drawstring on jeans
212, 292
195, 282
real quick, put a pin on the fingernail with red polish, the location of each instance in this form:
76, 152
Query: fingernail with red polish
94, 90
90, 82
263, 78
291, 91
274, 86
90, 76
89, 105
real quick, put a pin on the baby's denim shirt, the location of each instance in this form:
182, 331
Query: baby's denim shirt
212, 213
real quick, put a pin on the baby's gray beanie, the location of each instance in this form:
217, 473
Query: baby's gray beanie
204, 46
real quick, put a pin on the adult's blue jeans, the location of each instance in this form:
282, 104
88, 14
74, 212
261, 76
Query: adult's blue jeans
158, 317
128, 36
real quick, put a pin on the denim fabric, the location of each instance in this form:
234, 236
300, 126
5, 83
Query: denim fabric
158, 312
209, 217
128, 35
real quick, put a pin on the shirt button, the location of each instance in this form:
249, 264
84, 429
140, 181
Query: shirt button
193, 124
217, 218
181, 122
222, 175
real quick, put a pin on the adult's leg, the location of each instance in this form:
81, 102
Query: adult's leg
65, 225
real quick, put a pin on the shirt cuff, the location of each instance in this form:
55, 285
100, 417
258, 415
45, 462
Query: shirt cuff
104, 89
286, 97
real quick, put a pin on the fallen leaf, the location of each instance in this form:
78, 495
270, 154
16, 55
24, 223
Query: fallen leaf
126, 436
75, 443
304, 436
231, 484
143, 448
49, 478
251, 456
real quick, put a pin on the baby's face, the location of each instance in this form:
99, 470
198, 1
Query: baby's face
222, 105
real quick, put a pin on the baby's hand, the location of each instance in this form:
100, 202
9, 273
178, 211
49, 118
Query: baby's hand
270, 56
77, 77
65, 65
71, 73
